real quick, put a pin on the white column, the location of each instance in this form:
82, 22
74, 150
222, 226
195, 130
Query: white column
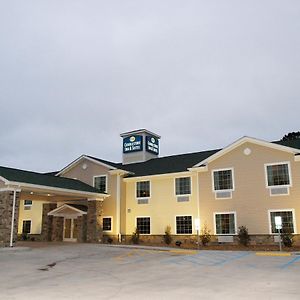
118, 207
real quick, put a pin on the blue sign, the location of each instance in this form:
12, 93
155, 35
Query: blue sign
152, 144
132, 143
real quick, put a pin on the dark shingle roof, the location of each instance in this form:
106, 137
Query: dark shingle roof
45, 180
290, 143
110, 163
167, 164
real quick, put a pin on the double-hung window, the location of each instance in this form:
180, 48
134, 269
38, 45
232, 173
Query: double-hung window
100, 183
184, 225
106, 224
183, 186
278, 178
287, 219
225, 223
26, 226
223, 183
143, 225
143, 189
27, 204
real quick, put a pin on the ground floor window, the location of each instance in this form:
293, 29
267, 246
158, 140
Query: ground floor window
184, 225
26, 226
287, 221
225, 223
106, 223
143, 225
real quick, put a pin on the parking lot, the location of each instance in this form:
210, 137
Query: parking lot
92, 271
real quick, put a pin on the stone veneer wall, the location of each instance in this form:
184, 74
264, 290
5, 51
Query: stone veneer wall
46, 234
6, 207
81, 229
94, 226
57, 229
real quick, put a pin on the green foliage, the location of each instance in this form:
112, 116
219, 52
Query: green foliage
205, 235
110, 240
243, 236
287, 237
167, 236
291, 136
24, 237
135, 237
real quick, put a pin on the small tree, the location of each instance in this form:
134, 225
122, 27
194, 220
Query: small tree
243, 236
287, 237
205, 235
135, 237
167, 236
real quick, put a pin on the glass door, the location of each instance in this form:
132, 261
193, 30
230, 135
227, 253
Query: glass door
70, 230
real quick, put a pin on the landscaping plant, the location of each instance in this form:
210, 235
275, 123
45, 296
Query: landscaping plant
135, 237
243, 236
167, 236
205, 235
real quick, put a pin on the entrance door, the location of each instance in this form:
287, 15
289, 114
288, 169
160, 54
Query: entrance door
70, 230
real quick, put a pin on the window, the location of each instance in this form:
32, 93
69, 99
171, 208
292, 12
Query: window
225, 223
27, 204
183, 186
26, 226
278, 174
287, 221
143, 189
143, 225
100, 183
184, 225
223, 180
106, 223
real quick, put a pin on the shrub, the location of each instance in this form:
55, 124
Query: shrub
287, 238
205, 235
24, 237
135, 237
243, 236
167, 236
110, 240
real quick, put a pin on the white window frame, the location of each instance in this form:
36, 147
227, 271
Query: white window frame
111, 222
27, 205
226, 213
106, 181
150, 190
278, 186
228, 190
30, 225
282, 210
184, 215
150, 224
191, 186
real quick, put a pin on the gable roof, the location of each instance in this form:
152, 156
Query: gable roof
290, 143
22, 176
243, 140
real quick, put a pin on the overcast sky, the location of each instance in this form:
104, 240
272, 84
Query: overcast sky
75, 74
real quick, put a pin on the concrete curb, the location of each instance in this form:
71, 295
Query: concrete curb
14, 249
273, 253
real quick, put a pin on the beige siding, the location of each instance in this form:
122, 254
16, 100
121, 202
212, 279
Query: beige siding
251, 199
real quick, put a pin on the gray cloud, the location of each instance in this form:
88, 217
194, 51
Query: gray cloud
75, 74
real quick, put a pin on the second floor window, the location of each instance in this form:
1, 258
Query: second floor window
223, 180
100, 183
143, 189
278, 174
183, 186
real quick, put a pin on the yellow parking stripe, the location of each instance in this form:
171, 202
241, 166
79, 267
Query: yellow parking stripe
273, 254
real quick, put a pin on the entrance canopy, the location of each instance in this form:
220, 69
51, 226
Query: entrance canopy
69, 210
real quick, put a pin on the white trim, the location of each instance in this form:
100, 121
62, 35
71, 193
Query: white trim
136, 217
150, 190
4, 180
111, 223
228, 190
78, 160
62, 207
165, 175
30, 225
133, 132
243, 140
297, 157
9, 189
184, 215
275, 164
45, 187
282, 210
106, 181
225, 213
191, 186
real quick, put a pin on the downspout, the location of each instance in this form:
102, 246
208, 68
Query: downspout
118, 221
13, 220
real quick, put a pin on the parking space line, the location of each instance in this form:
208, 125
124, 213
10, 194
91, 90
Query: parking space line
236, 257
291, 262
